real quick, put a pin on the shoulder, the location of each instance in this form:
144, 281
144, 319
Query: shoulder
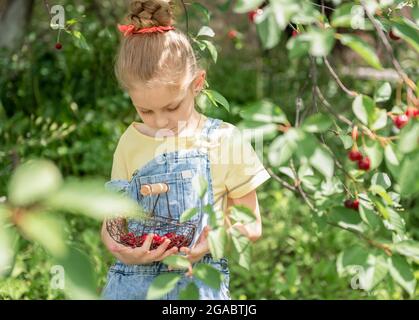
228, 133
125, 139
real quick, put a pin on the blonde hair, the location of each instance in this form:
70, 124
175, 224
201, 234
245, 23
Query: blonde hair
154, 58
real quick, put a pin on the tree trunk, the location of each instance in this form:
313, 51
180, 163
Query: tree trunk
14, 17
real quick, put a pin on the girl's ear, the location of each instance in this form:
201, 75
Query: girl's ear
199, 82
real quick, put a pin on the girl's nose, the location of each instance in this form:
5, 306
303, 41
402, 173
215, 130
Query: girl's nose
161, 123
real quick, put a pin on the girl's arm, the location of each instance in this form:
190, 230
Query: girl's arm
251, 230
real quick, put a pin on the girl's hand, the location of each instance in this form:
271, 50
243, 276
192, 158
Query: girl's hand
199, 250
138, 255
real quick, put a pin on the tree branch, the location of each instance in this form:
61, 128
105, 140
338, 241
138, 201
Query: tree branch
389, 49
337, 79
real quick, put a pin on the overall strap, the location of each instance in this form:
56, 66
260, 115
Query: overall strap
210, 125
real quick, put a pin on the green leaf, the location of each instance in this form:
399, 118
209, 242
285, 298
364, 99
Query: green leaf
216, 98
263, 111
390, 156
408, 176
213, 52
373, 272
322, 42
7, 238
241, 249
408, 248
380, 119
188, 214
203, 102
268, 29
200, 184
243, 6
401, 272
46, 229
33, 181
198, 6
216, 217
352, 256
282, 148
91, 199
370, 269
362, 48
298, 46
283, 10
191, 292
370, 218
208, 275
322, 160
350, 15
377, 189
302, 12
205, 31
317, 123
162, 285
415, 14
382, 210
374, 151
395, 222
347, 219
241, 213
383, 93
217, 240
176, 261
346, 141
407, 30
292, 275
363, 108
80, 279
381, 179
79, 40
409, 137
259, 130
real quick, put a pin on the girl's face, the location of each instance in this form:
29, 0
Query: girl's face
163, 108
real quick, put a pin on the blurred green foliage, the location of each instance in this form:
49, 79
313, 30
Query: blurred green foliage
66, 106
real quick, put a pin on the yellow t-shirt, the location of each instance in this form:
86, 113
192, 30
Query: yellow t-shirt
235, 166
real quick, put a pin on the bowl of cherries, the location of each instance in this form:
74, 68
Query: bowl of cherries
176, 240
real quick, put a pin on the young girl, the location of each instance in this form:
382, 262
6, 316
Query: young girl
156, 65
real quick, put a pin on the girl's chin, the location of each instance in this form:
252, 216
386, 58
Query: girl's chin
166, 132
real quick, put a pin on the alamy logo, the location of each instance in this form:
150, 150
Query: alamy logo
58, 277
57, 17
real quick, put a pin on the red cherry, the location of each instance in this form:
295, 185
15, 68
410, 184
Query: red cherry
232, 34
352, 204
58, 46
355, 155
401, 120
355, 134
412, 112
364, 164
355, 205
349, 203
140, 240
252, 14
393, 36
170, 235
295, 33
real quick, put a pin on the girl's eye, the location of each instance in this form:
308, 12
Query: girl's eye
174, 109
145, 112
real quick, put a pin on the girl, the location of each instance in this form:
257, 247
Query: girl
157, 67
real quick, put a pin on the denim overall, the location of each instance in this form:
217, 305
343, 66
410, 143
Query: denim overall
131, 282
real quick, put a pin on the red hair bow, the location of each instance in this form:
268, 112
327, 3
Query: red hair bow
128, 29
